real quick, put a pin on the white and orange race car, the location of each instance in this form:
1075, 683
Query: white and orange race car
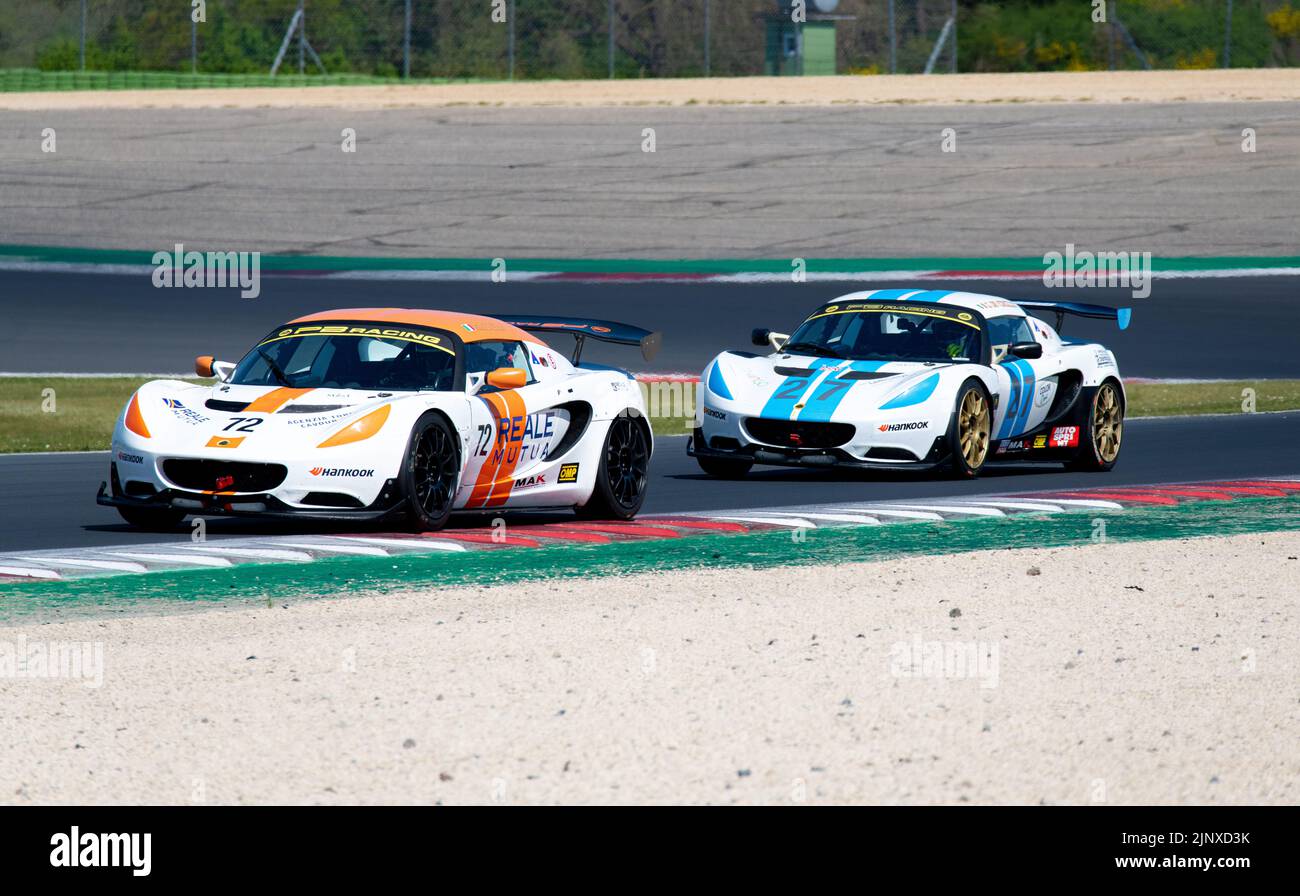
370, 413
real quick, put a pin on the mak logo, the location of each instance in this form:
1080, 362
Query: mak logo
78, 850
901, 427
530, 481
340, 472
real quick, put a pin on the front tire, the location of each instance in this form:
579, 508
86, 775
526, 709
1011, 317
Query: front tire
622, 475
972, 426
430, 473
1103, 431
153, 519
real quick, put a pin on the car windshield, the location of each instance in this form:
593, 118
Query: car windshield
393, 358
876, 331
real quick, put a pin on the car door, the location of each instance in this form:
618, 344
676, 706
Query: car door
1027, 385
511, 430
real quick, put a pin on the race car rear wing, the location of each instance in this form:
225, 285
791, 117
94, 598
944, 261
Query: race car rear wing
1121, 315
582, 329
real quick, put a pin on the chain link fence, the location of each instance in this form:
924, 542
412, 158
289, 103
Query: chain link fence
502, 39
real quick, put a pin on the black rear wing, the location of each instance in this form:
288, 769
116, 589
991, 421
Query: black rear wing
1122, 316
582, 328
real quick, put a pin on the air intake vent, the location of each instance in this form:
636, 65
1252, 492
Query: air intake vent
230, 407
864, 375
331, 499
798, 433
222, 475
310, 408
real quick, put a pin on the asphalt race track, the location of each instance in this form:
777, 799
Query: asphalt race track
48, 500
1208, 328
1238, 327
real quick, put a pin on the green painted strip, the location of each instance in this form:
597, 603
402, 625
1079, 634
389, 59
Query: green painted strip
251, 584
68, 255
27, 80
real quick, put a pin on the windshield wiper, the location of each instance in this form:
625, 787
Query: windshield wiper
274, 367
810, 348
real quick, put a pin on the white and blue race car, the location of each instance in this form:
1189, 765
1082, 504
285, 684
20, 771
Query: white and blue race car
912, 379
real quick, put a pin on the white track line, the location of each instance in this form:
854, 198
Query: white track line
888, 511
413, 544
359, 550
793, 522
1031, 506
171, 558
82, 563
832, 517
263, 553
29, 572
952, 508
1088, 502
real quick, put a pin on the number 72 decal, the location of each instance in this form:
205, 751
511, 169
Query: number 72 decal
241, 424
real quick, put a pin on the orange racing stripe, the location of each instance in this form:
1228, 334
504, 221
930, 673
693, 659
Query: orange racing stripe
487, 473
505, 477
275, 399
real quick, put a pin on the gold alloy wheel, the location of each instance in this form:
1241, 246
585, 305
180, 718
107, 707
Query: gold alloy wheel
973, 428
1107, 423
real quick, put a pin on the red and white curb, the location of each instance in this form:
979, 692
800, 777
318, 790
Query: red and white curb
219, 553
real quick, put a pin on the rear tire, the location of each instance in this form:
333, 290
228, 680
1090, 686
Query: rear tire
430, 473
153, 519
622, 475
972, 427
724, 468
1103, 431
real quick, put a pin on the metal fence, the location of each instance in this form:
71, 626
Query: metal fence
499, 39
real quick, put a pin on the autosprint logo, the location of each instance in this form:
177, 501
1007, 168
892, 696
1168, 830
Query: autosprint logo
945, 659
179, 268
1130, 270
34, 660
77, 850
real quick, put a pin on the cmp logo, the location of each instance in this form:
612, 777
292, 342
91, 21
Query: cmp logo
901, 427
341, 473
78, 850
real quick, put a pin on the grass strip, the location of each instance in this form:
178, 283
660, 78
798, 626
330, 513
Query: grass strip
78, 414
250, 585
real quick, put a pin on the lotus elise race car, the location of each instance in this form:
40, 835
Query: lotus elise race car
368, 413
915, 379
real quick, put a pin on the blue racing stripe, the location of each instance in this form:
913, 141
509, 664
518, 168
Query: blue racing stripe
1026, 398
914, 395
888, 295
932, 295
1013, 401
788, 392
832, 390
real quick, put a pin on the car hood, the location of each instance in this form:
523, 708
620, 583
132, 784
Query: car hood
769, 386
184, 417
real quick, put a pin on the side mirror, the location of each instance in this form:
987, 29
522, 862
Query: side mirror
759, 337
1026, 350
507, 377
203, 366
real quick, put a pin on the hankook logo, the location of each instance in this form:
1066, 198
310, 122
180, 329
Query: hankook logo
341, 472
899, 427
